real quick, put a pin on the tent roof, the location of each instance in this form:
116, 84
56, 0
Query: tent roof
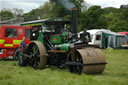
94, 31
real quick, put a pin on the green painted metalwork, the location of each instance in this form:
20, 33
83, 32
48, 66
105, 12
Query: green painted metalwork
64, 34
56, 39
63, 46
40, 37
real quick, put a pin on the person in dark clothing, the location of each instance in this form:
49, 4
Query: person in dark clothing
22, 46
22, 43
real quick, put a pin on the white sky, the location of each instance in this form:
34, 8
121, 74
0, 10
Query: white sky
108, 3
28, 5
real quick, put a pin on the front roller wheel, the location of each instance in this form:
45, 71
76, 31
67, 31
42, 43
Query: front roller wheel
37, 51
89, 61
76, 68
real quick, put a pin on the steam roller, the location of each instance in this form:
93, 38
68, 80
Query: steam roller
57, 43
79, 60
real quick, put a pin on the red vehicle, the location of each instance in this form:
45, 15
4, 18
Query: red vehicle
10, 38
125, 41
123, 33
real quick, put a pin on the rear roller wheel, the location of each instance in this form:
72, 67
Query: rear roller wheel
37, 51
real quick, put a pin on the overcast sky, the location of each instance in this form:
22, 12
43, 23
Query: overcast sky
28, 5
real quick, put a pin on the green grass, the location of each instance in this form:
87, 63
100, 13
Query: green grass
116, 73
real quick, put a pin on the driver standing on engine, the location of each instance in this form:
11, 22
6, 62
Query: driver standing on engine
34, 33
66, 33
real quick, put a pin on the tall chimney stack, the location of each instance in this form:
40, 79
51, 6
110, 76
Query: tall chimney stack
74, 20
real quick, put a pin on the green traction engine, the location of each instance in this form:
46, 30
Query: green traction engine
57, 43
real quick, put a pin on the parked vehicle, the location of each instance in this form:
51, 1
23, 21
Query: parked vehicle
125, 40
10, 37
105, 38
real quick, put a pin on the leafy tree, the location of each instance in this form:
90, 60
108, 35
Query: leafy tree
124, 14
118, 26
59, 11
119, 21
6, 14
18, 12
93, 18
32, 15
110, 9
43, 12
116, 19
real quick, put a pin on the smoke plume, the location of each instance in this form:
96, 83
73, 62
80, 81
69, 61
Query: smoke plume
66, 3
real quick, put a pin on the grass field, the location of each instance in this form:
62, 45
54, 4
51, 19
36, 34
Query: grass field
116, 73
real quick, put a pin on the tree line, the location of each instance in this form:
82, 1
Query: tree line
89, 17
6, 14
